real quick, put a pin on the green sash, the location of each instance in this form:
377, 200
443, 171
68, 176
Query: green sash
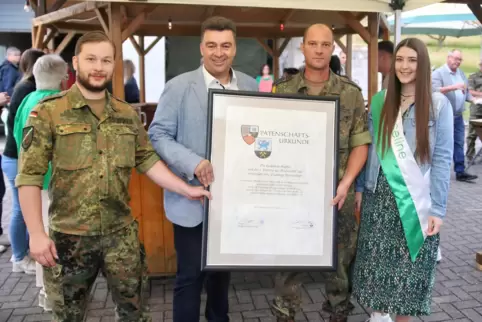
410, 187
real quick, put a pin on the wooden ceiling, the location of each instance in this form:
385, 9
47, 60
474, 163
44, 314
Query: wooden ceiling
186, 20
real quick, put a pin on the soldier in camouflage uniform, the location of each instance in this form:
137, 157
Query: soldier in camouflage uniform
475, 87
317, 79
93, 141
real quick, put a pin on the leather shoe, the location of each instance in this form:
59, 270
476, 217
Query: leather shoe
464, 176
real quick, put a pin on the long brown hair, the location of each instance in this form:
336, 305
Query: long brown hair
28, 59
423, 100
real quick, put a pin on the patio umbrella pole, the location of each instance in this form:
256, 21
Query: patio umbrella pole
398, 26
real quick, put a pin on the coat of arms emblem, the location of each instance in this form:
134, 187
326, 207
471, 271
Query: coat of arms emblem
249, 133
263, 147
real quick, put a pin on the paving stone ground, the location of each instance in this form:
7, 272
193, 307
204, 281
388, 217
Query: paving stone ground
457, 295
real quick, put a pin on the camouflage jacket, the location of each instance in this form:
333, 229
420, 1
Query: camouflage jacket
475, 83
353, 127
92, 161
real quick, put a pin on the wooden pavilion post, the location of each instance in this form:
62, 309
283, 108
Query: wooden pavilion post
142, 70
385, 27
349, 55
276, 55
115, 28
372, 56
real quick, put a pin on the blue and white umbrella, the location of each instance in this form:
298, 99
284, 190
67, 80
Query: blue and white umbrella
451, 20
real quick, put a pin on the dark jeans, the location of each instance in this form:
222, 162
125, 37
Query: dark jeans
459, 138
190, 281
2, 194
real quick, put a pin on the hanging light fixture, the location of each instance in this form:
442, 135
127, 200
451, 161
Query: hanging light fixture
169, 24
282, 26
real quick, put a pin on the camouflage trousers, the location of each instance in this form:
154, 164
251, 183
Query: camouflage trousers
119, 256
338, 288
475, 113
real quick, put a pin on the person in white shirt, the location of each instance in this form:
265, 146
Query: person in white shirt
178, 134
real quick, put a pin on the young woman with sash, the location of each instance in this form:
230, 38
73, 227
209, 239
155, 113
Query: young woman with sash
406, 183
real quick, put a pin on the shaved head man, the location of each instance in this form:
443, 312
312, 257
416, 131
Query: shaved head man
316, 79
317, 47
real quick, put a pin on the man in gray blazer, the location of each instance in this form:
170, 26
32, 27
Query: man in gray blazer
178, 134
452, 82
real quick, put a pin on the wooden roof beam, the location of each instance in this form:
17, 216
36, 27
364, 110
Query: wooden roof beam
41, 7
343, 31
137, 47
241, 31
289, 14
160, 30
50, 36
189, 23
148, 49
103, 18
33, 5
283, 45
361, 16
385, 27
39, 38
136, 23
77, 27
65, 42
340, 43
57, 5
265, 47
476, 9
68, 12
124, 18
210, 11
354, 24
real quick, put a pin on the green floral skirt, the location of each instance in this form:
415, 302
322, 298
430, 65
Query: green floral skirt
385, 279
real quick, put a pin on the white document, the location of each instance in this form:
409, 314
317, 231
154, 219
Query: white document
273, 189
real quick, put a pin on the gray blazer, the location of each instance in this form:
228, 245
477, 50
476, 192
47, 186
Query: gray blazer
441, 77
178, 134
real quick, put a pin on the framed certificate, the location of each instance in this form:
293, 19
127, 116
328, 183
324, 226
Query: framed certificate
275, 162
